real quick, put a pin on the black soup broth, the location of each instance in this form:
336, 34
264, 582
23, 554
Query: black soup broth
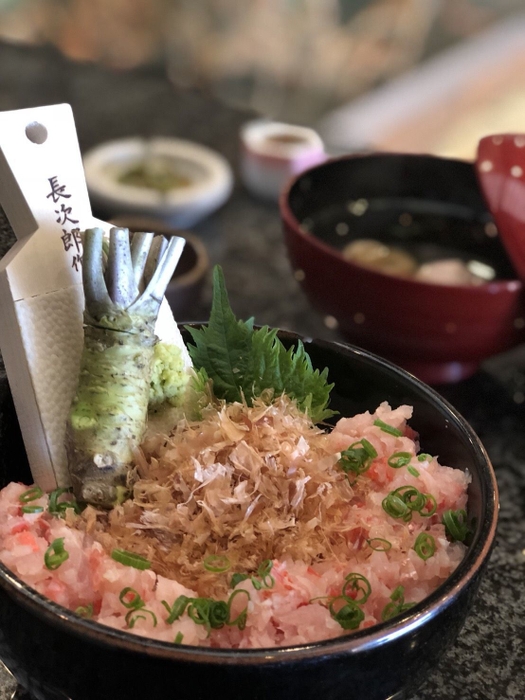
427, 230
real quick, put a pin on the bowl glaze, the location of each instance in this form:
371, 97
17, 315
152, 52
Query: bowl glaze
440, 333
56, 654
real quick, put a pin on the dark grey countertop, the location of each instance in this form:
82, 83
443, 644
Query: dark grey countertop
486, 662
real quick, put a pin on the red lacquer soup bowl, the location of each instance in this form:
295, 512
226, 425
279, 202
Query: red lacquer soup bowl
426, 205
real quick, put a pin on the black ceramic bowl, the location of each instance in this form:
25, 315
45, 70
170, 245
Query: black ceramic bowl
54, 653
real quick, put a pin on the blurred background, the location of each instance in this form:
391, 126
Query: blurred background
312, 61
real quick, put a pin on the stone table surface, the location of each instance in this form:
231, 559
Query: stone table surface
487, 661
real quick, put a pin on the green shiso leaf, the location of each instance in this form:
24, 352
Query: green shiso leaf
243, 362
223, 348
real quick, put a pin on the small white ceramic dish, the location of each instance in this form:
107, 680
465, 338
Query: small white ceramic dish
273, 152
205, 179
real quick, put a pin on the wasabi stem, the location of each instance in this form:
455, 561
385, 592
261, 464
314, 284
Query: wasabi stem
109, 412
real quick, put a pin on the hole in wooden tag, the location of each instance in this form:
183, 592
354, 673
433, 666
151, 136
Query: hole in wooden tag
36, 132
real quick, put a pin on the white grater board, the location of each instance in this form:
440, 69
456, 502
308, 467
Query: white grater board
41, 295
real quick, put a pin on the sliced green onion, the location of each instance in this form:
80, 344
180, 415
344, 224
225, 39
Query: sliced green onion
412, 470
32, 509
264, 568
388, 428
393, 609
389, 611
319, 597
264, 573
135, 606
357, 587
424, 457
178, 638
413, 498
394, 506
398, 594
53, 499
177, 609
349, 615
265, 580
401, 502
369, 448
55, 554
425, 546
85, 611
64, 505
379, 544
130, 559
135, 602
134, 615
216, 563
237, 578
32, 494
397, 604
358, 457
240, 620
199, 611
219, 614
426, 511
56, 508
455, 522
399, 459
212, 614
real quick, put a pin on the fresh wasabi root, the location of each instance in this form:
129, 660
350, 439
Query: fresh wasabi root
169, 377
109, 412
